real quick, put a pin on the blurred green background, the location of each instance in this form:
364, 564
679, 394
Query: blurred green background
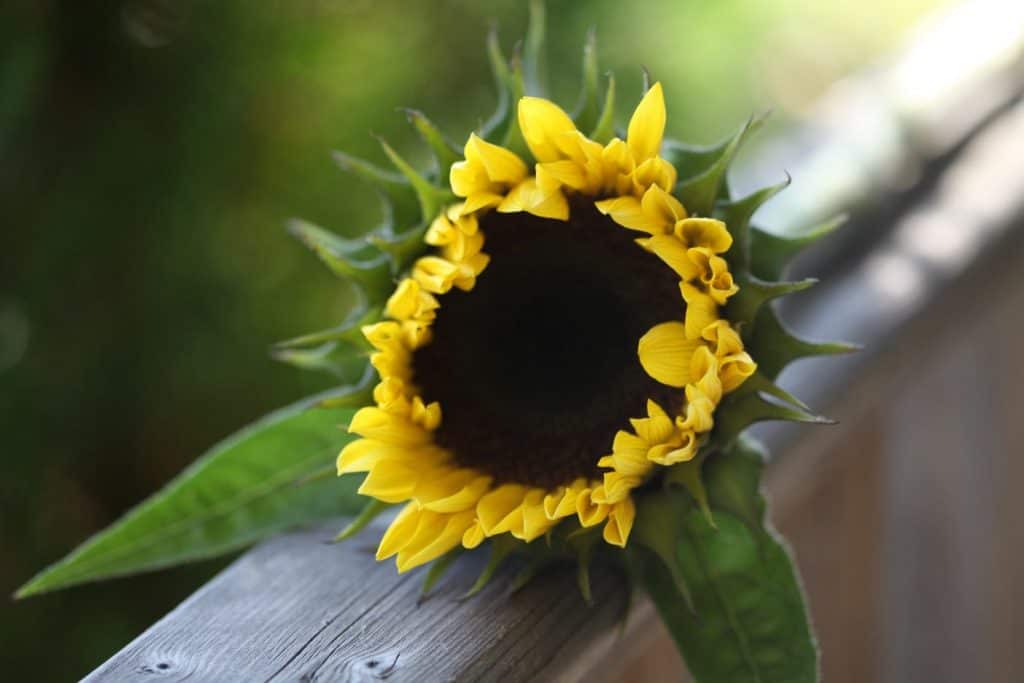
151, 152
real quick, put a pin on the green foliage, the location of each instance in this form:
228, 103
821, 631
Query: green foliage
777, 347
770, 253
747, 622
265, 478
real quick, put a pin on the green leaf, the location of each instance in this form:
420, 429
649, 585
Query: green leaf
748, 623
733, 480
257, 482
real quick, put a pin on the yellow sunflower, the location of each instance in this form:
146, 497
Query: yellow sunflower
563, 340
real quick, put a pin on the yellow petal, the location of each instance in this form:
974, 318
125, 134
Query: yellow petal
628, 212
535, 522
468, 179
544, 124
390, 481
529, 197
374, 423
566, 172
725, 339
616, 487
495, 509
402, 303
589, 512
674, 253
453, 493
620, 522
400, 532
562, 502
362, 454
665, 353
662, 206
478, 201
653, 430
735, 369
654, 171
500, 164
701, 310
647, 126
435, 274
435, 540
473, 536
704, 232
685, 449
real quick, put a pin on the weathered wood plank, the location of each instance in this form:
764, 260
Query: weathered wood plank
298, 608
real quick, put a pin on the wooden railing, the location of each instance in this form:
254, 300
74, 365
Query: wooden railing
904, 518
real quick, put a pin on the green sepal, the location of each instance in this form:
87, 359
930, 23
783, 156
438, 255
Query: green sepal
702, 170
370, 512
438, 568
737, 214
755, 292
604, 128
589, 105
584, 542
758, 382
688, 475
658, 528
771, 252
397, 195
501, 547
334, 358
445, 153
503, 126
534, 57
431, 197
495, 126
741, 409
348, 331
776, 347
403, 248
354, 260
354, 395
533, 568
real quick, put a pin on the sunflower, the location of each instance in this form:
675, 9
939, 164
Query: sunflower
563, 340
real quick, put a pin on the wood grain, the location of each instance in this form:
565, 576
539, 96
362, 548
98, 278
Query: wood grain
297, 608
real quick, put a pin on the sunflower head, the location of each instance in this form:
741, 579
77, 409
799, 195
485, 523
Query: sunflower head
578, 322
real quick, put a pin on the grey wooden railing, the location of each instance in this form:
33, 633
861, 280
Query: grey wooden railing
904, 518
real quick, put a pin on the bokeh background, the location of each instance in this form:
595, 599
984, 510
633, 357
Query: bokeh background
150, 153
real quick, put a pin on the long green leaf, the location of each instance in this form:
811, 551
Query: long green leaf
748, 622
263, 479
